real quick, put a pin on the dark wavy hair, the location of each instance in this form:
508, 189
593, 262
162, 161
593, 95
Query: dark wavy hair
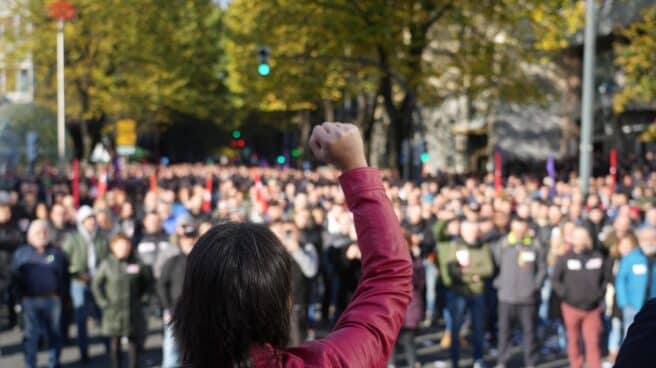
236, 296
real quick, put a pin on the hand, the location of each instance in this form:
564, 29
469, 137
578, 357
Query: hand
338, 144
84, 277
353, 252
166, 317
291, 245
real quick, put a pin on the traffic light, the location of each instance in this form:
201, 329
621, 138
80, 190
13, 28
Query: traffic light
296, 153
424, 157
263, 67
281, 160
236, 134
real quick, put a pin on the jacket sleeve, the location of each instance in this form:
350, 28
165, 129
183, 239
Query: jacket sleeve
366, 332
98, 286
620, 284
307, 260
164, 283
443, 262
541, 273
557, 281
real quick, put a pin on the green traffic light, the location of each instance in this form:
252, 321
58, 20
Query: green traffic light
424, 157
236, 134
281, 159
263, 69
296, 152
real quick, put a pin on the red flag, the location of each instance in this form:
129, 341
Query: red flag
498, 173
613, 168
76, 183
102, 183
153, 181
207, 200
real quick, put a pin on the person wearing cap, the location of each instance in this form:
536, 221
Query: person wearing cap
85, 249
121, 286
169, 288
522, 270
39, 269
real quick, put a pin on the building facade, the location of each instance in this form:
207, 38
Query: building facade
16, 78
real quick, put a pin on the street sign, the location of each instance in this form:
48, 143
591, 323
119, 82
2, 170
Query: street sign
126, 136
61, 10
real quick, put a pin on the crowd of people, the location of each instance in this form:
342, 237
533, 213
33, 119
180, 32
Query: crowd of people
561, 264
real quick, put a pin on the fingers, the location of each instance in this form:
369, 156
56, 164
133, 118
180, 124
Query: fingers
318, 141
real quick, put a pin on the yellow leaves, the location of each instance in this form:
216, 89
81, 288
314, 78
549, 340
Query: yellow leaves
637, 58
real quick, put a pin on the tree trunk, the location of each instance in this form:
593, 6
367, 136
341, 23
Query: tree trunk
305, 126
365, 119
329, 110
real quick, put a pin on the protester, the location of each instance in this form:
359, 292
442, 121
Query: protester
10, 239
38, 270
464, 265
579, 279
304, 267
169, 289
636, 278
311, 199
231, 328
121, 286
522, 270
85, 249
414, 315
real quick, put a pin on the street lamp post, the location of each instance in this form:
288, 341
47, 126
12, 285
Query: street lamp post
61, 11
587, 105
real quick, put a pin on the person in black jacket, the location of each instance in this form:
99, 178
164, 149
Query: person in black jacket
169, 288
580, 278
10, 239
637, 351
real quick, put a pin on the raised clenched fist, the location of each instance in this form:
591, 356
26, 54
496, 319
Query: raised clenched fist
338, 144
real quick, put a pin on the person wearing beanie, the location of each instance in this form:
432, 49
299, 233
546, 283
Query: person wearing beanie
85, 249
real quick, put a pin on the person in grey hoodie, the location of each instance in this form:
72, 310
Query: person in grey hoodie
522, 271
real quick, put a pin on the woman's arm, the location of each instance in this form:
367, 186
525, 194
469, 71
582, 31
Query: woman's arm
366, 332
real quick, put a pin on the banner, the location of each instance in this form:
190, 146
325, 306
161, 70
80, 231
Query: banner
207, 200
76, 183
498, 172
613, 168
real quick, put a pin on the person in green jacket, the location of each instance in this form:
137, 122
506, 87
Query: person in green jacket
85, 249
464, 265
121, 288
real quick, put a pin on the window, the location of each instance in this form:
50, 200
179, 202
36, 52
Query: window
23, 80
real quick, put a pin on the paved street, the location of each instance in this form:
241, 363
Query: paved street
430, 354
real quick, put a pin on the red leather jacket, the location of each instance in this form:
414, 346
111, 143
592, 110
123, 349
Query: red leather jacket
366, 332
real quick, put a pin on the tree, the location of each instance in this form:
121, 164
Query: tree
24, 118
151, 60
637, 58
407, 52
